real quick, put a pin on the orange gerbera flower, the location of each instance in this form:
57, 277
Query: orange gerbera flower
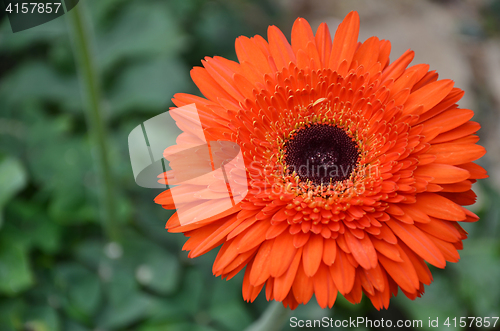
357, 169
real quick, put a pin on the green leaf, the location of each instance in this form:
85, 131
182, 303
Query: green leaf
191, 295
135, 307
12, 179
15, 272
82, 287
32, 227
19, 41
120, 281
185, 326
126, 304
64, 170
224, 291
153, 267
148, 86
42, 318
70, 325
232, 315
89, 252
440, 300
478, 275
46, 235
167, 310
159, 271
140, 31
226, 304
11, 311
40, 81
70, 207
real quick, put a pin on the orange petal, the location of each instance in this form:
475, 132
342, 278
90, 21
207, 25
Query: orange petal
302, 34
367, 54
376, 277
389, 250
418, 241
362, 250
283, 284
276, 229
403, 273
255, 236
282, 254
345, 42
313, 252
223, 75
457, 187
259, 272
252, 74
300, 239
409, 77
248, 51
249, 221
450, 153
423, 272
463, 130
226, 255
427, 96
281, 51
302, 286
385, 51
442, 173
387, 235
213, 239
342, 272
448, 249
249, 291
365, 283
312, 53
396, 68
448, 103
466, 198
244, 86
209, 86
437, 206
329, 251
448, 120
429, 77
475, 170
270, 289
236, 265
356, 293
324, 43
415, 214
324, 287
441, 229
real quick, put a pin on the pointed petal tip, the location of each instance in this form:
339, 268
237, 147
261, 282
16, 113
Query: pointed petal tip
353, 14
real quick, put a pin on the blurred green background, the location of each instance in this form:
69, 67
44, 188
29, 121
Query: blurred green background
60, 267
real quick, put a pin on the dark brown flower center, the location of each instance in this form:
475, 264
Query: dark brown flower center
321, 153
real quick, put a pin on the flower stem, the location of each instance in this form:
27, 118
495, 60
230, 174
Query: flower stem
91, 94
272, 319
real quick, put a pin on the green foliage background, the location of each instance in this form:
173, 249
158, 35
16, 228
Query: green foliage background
58, 269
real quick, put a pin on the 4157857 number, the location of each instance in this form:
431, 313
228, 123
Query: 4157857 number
33, 7
471, 322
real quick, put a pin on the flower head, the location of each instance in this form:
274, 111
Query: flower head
357, 168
